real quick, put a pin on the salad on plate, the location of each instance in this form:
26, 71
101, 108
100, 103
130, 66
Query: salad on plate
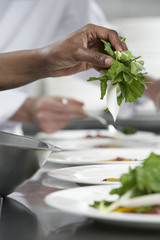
139, 191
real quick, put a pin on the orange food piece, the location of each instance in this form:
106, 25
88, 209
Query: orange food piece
111, 180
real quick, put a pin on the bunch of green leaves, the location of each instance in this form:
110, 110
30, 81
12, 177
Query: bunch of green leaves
129, 130
143, 179
126, 72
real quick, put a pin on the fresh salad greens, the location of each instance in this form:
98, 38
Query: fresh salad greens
126, 73
143, 179
129, 130
140, 187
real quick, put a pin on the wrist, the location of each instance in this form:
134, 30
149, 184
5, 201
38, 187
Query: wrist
46, 65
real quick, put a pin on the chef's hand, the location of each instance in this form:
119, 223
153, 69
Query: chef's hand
78, 51
49, 114
75, 53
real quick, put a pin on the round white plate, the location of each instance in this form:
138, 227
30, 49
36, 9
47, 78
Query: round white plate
76, 134
77, 201
82, 134
76, 139
92, 174
100, 156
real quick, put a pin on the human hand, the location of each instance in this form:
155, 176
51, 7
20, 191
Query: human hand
75, 53
78, 51
50, 114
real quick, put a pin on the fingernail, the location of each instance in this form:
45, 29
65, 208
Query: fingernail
108, 62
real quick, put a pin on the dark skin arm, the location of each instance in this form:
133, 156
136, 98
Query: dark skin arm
75, 53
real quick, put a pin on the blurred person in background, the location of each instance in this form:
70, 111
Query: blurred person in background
29, 24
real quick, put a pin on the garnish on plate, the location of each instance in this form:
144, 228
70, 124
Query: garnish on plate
119, 159
99, 136
111, 180
139, 191
129, 130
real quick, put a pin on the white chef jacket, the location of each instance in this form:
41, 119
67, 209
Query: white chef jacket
27, 24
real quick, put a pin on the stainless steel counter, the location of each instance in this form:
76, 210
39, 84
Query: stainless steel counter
25, 216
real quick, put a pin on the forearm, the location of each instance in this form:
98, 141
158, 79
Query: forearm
73, 54
21, 67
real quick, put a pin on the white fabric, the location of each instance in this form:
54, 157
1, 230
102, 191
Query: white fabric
27, 24
10, 101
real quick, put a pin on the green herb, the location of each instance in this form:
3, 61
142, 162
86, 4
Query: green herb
143, 179
108, 48
126, 73
123, 40
97, 204
144, 209
129, 130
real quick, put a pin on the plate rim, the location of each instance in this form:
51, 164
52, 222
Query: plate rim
77, 168
147, 220
86, 131
55, 159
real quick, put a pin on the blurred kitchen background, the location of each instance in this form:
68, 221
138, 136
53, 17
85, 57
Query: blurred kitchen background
139, 22
128, 8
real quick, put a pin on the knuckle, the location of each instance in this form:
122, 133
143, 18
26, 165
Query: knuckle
89, 29
77, 52
113, 32
89, 25
98, 59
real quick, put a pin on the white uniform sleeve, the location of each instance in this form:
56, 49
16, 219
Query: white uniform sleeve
10, 102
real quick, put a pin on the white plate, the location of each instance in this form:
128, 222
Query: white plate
103, 143
76, 134
77, 200
94, 174
83, 143
82, 134
100, 156
76, 139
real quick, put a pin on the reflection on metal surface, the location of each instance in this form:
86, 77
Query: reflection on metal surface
60, 225
20, 158
19, 223
60, 184
98, 230
68, 231
1, 203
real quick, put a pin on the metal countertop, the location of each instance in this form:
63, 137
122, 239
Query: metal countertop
25, 216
